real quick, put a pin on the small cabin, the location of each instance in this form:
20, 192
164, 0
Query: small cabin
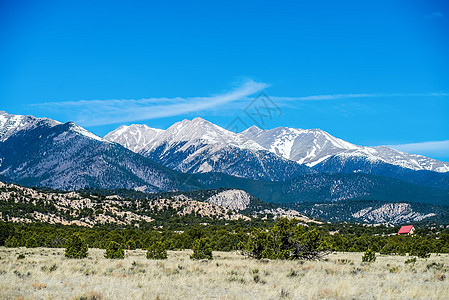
407, 230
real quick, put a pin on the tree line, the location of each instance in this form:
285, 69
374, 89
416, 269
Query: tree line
285, 239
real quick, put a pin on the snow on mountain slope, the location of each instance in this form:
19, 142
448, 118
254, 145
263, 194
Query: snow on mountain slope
67, 156
134, 137
314, 146
200, 130
307, 146
10, 124
198, 146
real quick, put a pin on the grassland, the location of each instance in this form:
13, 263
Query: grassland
46, 274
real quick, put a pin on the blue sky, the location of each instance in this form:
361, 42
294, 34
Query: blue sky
370, 72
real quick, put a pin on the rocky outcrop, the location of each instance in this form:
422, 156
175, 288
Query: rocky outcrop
391, 213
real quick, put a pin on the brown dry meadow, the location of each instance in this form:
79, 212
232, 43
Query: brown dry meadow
46, 274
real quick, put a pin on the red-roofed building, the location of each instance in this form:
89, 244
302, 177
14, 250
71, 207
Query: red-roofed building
408, 230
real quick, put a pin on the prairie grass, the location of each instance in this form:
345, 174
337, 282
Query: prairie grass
47, 274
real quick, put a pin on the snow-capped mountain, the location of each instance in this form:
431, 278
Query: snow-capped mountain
313, 147
134, 137
198, 146
325, 153
47, 153
309, 146
10, 124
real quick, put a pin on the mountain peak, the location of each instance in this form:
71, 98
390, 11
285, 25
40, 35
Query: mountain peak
200, 120
252, 132
196, 129
135, 137
80, 130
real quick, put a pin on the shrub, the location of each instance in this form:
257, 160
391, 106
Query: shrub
12, 242
90, 296
31, 243
369, 256
435, 265
157, 250
292, 273
114, 250
410, 260
76, 247
201, 249
20, 256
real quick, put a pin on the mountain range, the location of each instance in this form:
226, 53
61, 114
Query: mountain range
281, 165
198, 146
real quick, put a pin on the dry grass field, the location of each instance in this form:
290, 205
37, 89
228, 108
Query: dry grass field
47, 274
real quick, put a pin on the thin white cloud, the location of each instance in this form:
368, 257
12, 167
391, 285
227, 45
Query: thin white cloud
432, 147
103, 112
349, 96
436, 14
116, 111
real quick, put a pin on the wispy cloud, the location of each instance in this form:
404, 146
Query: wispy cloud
118, 111
103, 112
432, 147
349, 96
436, 14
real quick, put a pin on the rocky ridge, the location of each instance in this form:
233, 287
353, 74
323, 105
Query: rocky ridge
391, 213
